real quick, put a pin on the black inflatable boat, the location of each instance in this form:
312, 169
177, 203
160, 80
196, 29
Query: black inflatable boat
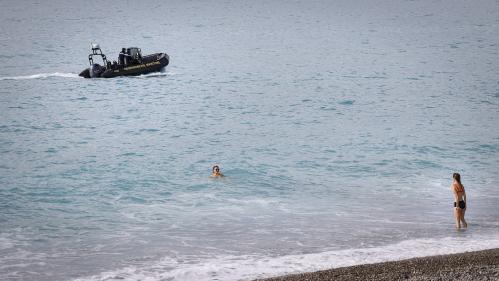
130, 62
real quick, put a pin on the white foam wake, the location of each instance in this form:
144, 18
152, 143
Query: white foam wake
154, 74
40, 76
251, 267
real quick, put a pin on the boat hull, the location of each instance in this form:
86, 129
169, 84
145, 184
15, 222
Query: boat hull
150, 63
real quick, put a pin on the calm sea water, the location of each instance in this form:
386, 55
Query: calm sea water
337, 123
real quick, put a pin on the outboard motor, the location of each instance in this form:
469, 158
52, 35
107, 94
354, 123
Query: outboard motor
96, 70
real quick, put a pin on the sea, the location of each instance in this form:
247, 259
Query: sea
337, 123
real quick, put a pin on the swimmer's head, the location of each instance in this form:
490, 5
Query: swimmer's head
216, 169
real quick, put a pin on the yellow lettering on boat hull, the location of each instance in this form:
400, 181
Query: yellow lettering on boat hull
139, 66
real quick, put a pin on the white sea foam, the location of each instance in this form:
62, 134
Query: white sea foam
251, 267
40, 76
154, 74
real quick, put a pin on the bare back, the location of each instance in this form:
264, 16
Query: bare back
458, 190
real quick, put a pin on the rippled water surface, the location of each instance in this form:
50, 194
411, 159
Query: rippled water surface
337, 123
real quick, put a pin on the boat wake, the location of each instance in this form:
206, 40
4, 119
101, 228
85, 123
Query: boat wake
154, 74
40, 76
75, 75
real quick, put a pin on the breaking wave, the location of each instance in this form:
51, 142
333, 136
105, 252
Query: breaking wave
251, 267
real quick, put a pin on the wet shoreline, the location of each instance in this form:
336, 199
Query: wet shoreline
479, 265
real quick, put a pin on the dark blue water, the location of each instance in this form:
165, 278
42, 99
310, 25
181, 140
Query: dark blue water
338, 125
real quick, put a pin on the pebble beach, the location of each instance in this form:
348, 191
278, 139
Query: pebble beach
476, 266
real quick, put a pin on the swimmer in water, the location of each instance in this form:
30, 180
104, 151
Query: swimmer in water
216, 172
459, 201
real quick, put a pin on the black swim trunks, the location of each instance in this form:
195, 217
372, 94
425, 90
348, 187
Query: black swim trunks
462, 205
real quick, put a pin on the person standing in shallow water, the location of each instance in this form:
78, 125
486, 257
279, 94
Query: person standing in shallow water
215, 172
459, 200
